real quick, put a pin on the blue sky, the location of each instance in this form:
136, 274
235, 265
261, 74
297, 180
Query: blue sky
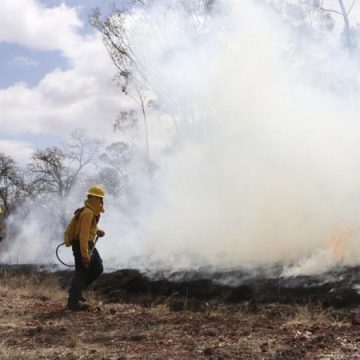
56, 75
19, 63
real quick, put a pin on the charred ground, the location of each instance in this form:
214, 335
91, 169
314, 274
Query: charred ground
180, 316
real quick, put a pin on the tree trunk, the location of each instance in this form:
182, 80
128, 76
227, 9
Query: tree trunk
347, 30
146, 132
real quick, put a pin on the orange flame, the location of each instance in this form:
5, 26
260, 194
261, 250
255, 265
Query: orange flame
338, 242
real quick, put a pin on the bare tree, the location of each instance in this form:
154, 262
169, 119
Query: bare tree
82, 150
12, 185
56, 171
47, 171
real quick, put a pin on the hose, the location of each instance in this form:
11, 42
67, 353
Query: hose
58, 257
71, 266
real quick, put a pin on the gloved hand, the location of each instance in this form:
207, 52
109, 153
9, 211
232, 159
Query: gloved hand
100, 233
85, 261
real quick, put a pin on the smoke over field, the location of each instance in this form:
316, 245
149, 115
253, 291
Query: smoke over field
255, 138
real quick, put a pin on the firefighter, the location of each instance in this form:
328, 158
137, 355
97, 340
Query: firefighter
88, 263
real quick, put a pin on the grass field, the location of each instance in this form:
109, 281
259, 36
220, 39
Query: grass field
35, 325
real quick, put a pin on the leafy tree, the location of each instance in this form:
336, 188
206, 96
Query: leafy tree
115, 170
130, 75
131, 72
344, 10
317, 16
127, 124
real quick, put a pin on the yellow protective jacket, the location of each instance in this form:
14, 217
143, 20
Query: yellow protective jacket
86, 225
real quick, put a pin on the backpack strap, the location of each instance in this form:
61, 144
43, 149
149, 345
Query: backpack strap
78, 211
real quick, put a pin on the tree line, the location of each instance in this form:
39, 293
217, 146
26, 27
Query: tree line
54, 173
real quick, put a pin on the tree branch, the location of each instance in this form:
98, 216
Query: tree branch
351, 7
330, 10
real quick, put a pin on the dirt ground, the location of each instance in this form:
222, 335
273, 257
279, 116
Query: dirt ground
34, 325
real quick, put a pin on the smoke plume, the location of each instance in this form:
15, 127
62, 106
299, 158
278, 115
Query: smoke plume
262, 166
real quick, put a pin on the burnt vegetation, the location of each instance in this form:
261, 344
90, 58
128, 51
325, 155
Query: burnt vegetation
135, 317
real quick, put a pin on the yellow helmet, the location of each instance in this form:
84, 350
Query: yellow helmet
97, 190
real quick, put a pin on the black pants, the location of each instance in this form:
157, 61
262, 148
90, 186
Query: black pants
83, 276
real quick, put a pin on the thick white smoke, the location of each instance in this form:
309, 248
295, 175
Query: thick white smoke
267, 171
266, 162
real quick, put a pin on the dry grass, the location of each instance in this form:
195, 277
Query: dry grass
310, 315
316, 315
34, 325
43, 286
31, 285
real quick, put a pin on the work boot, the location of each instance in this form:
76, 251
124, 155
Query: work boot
82, 299
79, 307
